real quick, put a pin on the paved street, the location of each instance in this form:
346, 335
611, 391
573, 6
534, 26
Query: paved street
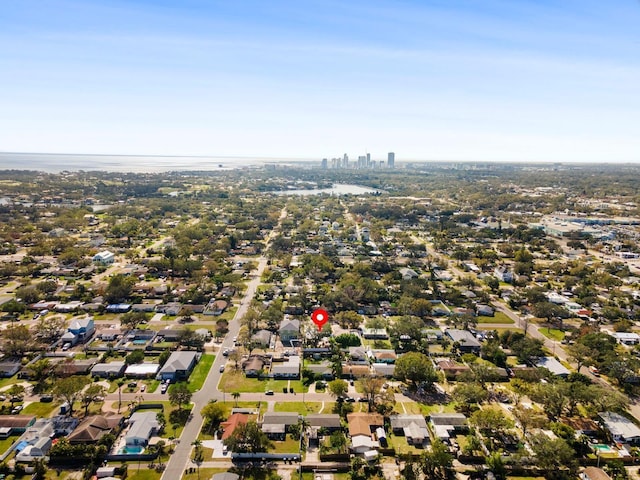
181, 457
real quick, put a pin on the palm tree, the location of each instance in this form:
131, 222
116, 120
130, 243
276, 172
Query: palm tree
198, 455
121, 382
236, 396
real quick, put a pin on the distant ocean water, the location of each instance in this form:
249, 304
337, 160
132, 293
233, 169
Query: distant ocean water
54, 162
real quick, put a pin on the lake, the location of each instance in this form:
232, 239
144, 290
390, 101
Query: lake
337, 189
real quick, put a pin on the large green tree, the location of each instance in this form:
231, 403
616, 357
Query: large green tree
415, 368
248, 438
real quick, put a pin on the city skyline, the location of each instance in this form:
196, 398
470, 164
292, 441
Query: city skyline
438, 81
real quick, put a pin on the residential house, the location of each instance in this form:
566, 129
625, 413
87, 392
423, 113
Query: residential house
375, 333
118, 307
75, 367
620, 428
384, 369
216, 307
37, 451
553, 365
287, 370
323, 370
82, 328
178, 366
361, 429
13, 424
503, 274
384, 356
408, 273
233, 422
594, 473
142, 370
108, 370
289, 330
254, 365
171, 308
350, 370
276, 424
464, 340
262, 338
142, 426
358, 354
413, 427
36, 441
104, 258
484, 310
452, 369
328, 421
627, 338
446, 425
9, 367
93, 428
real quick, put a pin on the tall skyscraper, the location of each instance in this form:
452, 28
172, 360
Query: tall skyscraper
324, 164
391, 160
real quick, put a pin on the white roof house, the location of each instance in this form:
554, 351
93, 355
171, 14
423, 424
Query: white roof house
621, 428
105, 257
142, 426
553, 365
627, 338
142, 370
38, 450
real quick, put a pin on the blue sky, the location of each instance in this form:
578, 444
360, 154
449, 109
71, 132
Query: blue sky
535, 80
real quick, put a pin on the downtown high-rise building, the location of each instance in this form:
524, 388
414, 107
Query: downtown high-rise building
391, 160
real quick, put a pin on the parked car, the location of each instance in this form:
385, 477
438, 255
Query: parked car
221, 368
17, 409
164, 387
46, 398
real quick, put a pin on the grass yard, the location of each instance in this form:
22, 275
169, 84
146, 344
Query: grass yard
7, 442
40, 409
200, 372
204, 473
229, 404
228, 314
142, 474
288, 446
552, 333
400, 445
299, 407
235, 381
55, 474
498, 317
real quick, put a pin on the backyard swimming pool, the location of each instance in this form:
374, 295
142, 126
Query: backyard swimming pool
602, 448
131, 450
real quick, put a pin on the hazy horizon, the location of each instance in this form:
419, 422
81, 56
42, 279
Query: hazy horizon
455, 81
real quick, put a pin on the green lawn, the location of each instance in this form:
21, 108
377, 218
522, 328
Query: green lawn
299, 407
287, 446
199, 374
552, 333
205, 473
400, 445
235, 381
498, 317
143, 474
40, 409
7, 442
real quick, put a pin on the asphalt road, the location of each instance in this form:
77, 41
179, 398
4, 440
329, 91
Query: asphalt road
180, 459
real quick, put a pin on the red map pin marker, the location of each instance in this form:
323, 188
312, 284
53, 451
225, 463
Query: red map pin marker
320, 317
